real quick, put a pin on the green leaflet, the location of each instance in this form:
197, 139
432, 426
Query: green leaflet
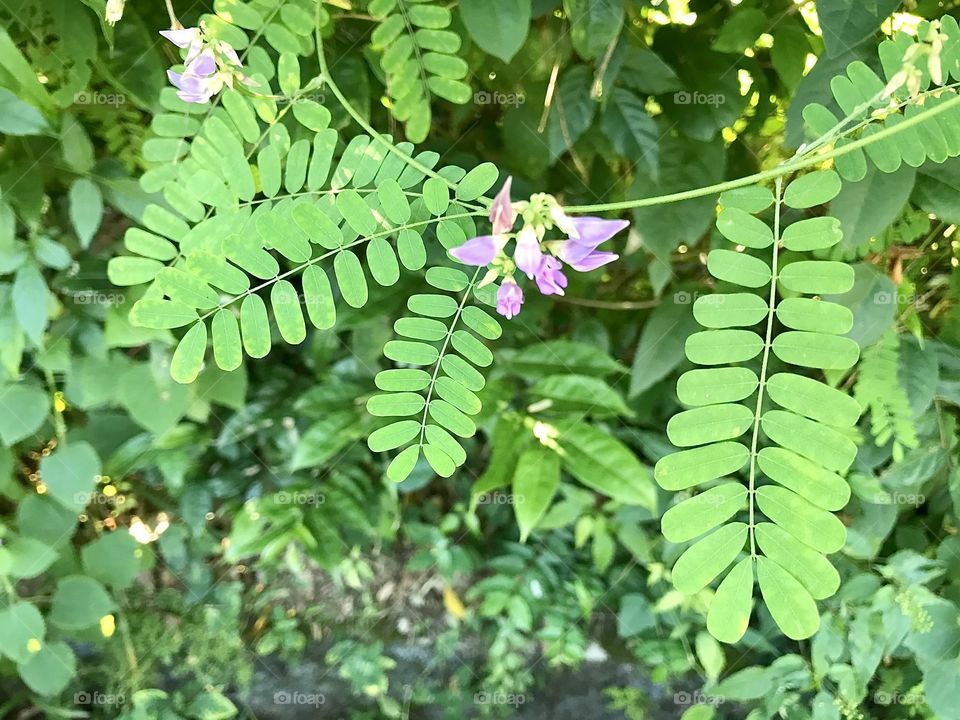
702, 512
707, 558
442, 395
417, 55
793, 478
791, 606
729, 613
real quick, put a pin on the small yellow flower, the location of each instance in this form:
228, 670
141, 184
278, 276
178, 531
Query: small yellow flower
108, 624
34, 645
451, 601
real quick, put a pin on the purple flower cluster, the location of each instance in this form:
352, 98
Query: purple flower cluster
207, 68
579, 250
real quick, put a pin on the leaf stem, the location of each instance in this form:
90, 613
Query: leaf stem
779, 171
771, 310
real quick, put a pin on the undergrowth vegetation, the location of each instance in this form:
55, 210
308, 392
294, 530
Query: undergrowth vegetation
537, 333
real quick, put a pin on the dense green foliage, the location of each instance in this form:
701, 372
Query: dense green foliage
251, 406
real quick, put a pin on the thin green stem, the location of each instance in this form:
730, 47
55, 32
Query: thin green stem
771, 310
780, 171
367, 127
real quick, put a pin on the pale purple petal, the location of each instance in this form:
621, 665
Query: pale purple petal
182, 37
528, 254
501, 212
230, 53
175, 79
550, 280
478, 251
509, 298
592, 231
204, 65
593, 260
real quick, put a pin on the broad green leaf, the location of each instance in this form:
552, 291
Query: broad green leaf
603, 463
811, 525
49, 670
285, 302
247, 252
79, 602
350, 278
214, 270
716, 385
580, 392
32, 406
393, 436
681, 470
816, 350
742, 228
720, 347
403, 464
227, 351
317, 225
382, 261
752, 199
791, 606
397, 404
724, 310
28, 557
729, 614
805, 437
126, 271
738, 268
660, 349
808, 566
499, 27
20, 118
812, 234
255, 326
703, 512
535, 482
476, 182
705, 559
86, 209
817, 277
188, 357
814, 188
402, 379
411, 353
820, 486
708, 424
70, 474
814, 399
814, 315
112, 559
20, 623
450, 418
